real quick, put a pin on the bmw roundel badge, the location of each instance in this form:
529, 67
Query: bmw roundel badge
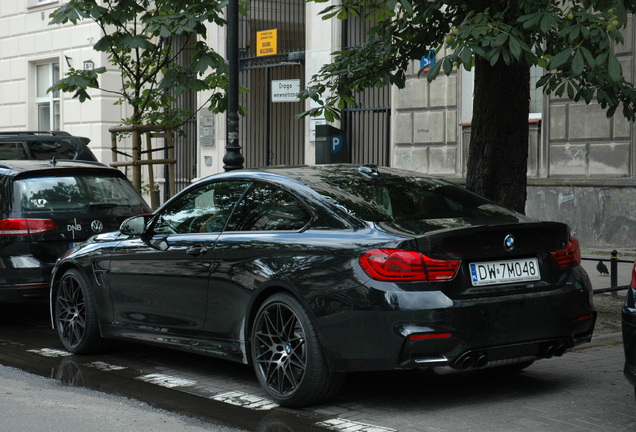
509, 242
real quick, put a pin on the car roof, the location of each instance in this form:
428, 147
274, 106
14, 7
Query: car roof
15, 167
33, 135
312, 174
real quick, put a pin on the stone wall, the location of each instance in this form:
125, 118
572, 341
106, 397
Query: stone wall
598, 216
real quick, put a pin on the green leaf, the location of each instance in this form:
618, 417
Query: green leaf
577, 63
560, 59
447, 65
495, 56
614, 69
515, 48
574, 34
589, 58
433, 72
501, 38
547, 22
543, 80
466, 56
530, 20
571, 91
408, 7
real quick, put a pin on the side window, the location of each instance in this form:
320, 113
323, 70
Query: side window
202, 210
45, 150
267, 208
12, 150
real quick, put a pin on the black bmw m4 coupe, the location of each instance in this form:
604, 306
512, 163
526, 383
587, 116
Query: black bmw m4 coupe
310, 272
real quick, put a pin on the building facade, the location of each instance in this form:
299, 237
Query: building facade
581, 165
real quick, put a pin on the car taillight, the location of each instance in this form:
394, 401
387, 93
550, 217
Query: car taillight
568, 257
25, 226
396, 265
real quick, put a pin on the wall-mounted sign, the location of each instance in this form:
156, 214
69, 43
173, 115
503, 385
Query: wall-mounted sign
285, 90
89, 65
427, 61
266, 42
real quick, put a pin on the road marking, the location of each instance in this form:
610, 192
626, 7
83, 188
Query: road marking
245, 400
338, 424
105, 366
47, 352
166, 380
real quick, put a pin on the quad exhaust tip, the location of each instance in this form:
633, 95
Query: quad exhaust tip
473, 361
553, 350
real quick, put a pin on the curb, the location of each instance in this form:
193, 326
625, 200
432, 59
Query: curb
603, 340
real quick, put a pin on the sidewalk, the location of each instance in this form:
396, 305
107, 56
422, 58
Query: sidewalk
36, 404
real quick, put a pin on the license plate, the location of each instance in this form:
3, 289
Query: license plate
500, 272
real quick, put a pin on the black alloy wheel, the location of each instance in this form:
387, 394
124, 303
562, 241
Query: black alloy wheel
75, 316
287, 356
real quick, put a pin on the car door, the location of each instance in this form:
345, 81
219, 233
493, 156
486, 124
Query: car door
262, 241
159, 283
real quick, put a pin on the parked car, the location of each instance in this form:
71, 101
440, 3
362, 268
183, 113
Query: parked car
48, 207
629, 331
44, 145
310, 272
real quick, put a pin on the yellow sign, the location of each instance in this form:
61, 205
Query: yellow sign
266, 42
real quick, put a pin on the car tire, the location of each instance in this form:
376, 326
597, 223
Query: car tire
287, 355
75, 315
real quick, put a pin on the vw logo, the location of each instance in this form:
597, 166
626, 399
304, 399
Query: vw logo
97, 226
509, 242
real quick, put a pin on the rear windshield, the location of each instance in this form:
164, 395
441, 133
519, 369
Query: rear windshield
406, 198
73, 192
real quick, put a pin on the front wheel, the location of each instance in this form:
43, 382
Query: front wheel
287, 356
75, 316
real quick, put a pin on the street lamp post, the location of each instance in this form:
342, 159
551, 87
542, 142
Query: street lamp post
233, 158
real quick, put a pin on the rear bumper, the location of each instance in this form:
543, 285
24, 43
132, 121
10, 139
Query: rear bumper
25, 282
23, 293
426, 329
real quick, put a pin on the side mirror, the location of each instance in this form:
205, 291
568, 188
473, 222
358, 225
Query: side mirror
133, 226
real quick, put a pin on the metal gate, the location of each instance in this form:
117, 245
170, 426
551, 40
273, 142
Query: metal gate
367, 126
185, 147
268, 133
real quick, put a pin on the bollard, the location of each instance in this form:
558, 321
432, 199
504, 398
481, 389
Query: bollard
614, 273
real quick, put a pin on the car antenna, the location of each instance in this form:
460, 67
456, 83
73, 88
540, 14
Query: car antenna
53, 162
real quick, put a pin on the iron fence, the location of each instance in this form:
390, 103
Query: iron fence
613, 273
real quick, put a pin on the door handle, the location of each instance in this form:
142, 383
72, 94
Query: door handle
196, 250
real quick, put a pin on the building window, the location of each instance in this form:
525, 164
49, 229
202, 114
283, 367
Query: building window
536, 94
47, 103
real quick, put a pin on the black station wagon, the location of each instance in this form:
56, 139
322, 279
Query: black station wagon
47, 207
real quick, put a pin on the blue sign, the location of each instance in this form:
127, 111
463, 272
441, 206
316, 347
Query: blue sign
427, 61
335, 143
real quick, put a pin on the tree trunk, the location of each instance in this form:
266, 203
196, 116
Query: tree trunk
498, 153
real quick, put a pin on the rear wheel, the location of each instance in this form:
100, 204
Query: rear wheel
287, 356
75, 316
